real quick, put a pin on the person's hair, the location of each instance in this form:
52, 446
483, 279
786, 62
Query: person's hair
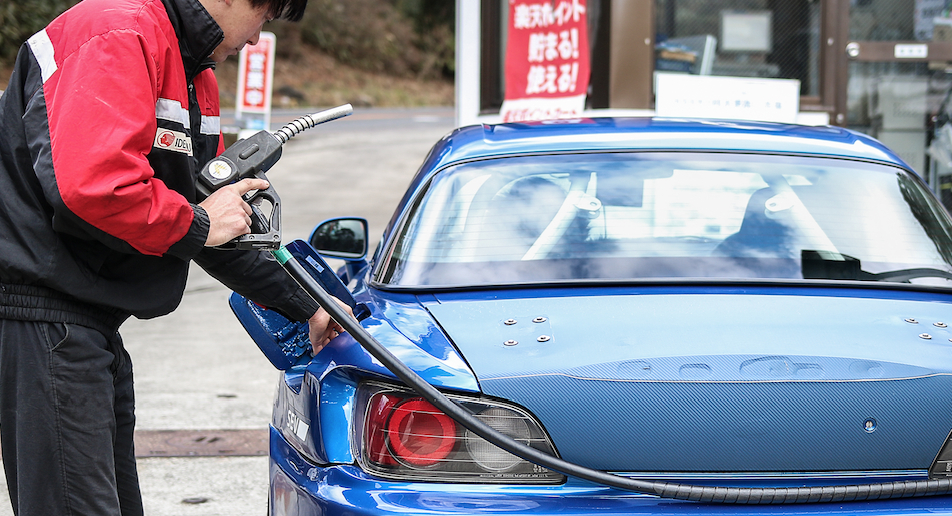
291, 10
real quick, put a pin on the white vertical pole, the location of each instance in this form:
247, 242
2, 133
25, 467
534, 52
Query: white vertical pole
467, 61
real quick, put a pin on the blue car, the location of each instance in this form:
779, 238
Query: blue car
730, 307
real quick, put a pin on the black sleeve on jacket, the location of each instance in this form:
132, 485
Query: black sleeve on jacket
194, 241
257, 276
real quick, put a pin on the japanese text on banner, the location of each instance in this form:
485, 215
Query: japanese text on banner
547, 60
256, 64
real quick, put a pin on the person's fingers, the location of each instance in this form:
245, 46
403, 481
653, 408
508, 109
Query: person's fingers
253, 183
346, 308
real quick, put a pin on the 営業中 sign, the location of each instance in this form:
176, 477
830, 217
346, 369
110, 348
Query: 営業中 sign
255, 77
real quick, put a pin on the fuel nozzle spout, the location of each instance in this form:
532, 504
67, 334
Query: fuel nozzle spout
305, 122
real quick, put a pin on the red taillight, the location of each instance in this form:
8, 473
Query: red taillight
379, 411
404, 437
419, 433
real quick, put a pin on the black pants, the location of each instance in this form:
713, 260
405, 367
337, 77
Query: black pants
66, 420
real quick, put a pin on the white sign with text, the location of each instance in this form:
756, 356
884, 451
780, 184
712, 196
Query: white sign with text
733, 98
255, 81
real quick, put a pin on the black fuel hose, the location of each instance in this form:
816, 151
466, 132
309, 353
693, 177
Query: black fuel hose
678, 491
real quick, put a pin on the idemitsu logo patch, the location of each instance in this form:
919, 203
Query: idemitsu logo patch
173, 141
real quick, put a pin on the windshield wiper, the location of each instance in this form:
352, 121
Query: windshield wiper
831, 265
904, 275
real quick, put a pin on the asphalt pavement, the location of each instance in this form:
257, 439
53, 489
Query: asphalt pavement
199, 378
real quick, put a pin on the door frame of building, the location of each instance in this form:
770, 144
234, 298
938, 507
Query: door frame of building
625, 69
875, 51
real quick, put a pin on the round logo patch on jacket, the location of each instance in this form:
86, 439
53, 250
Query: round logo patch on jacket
173, 140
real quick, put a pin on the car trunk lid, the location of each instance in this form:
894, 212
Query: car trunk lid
741, 380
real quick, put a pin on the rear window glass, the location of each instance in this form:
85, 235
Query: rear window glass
629, 216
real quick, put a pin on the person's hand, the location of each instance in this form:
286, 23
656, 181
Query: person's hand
229, 216
321, 328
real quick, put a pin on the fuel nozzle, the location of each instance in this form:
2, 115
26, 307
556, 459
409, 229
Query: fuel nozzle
252, 157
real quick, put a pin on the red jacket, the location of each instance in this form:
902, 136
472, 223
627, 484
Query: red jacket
110, 112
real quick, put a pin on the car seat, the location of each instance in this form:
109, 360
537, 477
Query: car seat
759, 236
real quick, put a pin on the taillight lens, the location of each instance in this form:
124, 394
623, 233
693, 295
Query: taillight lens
405, 437
489, 456
419, 434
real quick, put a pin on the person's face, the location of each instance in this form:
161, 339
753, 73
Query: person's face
240, 22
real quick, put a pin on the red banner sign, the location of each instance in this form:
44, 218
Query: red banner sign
547, 60
255, 72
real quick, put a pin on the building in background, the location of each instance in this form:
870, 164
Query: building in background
882, 67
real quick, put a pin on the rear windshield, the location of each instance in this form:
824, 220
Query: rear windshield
631, 216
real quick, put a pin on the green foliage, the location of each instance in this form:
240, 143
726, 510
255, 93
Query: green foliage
434, 22
19, 20
407, 38
399, 37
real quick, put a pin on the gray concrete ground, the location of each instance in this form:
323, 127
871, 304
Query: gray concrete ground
196, 369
